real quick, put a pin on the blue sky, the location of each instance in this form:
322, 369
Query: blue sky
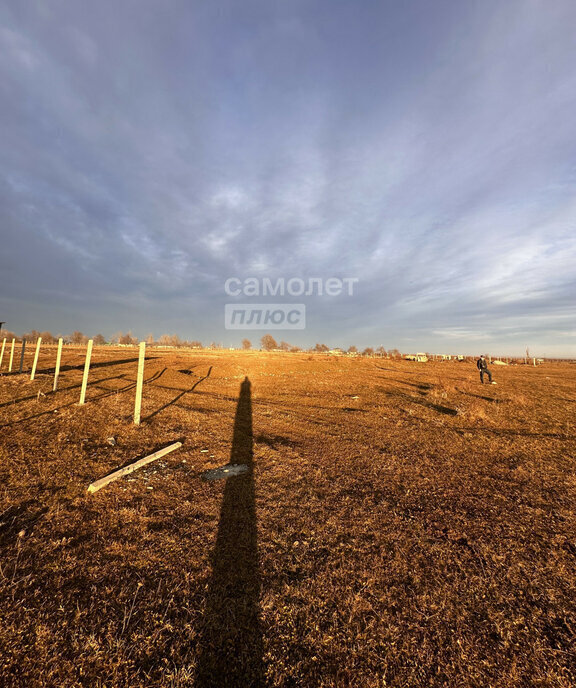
151, 150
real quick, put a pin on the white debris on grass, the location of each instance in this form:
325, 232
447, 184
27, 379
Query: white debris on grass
228, 471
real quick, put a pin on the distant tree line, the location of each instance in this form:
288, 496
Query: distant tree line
122, 338
267, 343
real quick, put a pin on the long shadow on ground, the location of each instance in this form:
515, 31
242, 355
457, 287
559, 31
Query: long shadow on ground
231, 647
96, 364
59, 391
78, 366
107, 393
446, 410
179, 396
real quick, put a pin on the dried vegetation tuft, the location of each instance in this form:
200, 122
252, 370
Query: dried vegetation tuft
402, 525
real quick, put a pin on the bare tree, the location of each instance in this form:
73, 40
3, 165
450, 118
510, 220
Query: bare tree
127, 339
99, 340
368, 351
78, 338
31, 336
47, 337
150, 339
246, 344
170, 340
321, 348
268, 342
352, 350
284, 346
9, 335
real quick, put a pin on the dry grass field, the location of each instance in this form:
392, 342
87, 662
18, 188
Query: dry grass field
400, 524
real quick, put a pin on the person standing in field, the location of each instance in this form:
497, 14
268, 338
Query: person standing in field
482, 365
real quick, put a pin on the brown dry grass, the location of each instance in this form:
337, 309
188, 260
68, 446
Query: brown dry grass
423, 534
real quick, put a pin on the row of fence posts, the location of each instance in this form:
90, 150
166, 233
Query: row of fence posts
12, 354
139, 378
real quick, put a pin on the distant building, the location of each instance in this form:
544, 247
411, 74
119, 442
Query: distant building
421, 358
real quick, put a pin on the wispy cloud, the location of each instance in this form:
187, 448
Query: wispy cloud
150, 153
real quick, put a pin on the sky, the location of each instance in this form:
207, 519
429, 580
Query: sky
152, 149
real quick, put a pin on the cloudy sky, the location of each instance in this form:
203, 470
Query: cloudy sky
152, 149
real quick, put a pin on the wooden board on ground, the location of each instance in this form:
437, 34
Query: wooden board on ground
98, 484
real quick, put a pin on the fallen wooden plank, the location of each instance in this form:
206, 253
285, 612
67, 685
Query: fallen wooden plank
98, 484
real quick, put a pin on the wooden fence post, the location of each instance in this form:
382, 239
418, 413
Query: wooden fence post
57, 369
11, 356
139, 383
33, 373
2, 354
86, 371
22, 354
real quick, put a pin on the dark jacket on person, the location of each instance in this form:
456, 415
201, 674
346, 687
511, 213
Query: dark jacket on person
482, 364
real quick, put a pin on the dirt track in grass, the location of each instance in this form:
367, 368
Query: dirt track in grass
400, 525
